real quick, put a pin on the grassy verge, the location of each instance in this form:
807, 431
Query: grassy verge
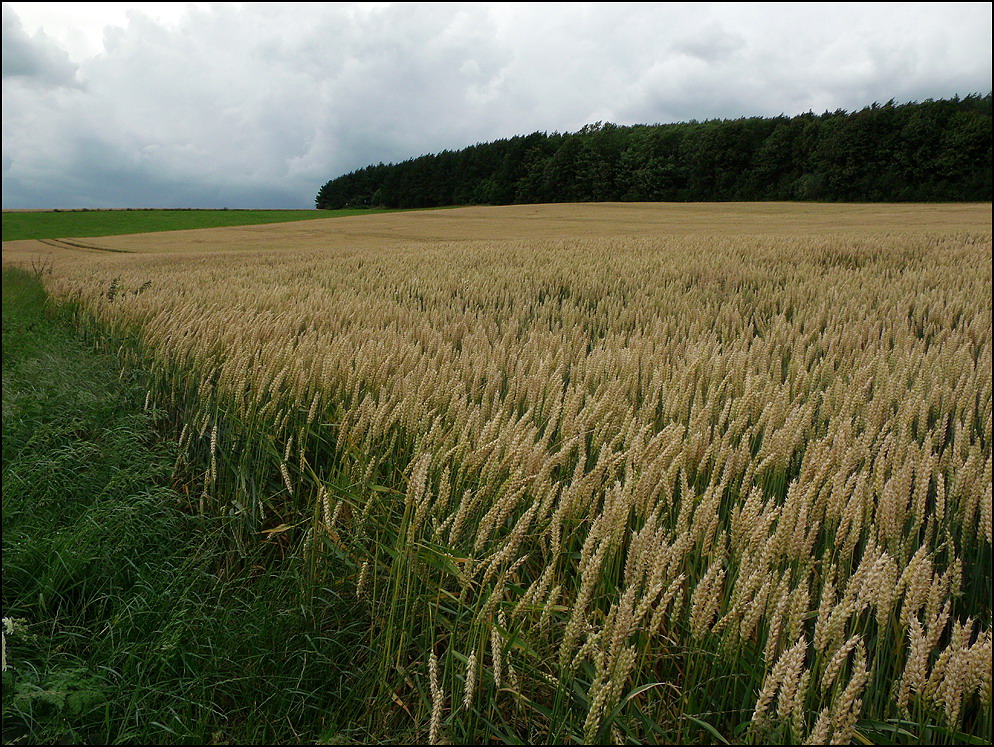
133, 621
80, 223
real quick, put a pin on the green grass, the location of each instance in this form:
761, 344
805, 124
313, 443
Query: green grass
135, 621
81, 223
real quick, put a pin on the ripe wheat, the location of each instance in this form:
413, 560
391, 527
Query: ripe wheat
597, 465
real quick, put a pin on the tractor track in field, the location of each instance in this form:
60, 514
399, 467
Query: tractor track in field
85, 246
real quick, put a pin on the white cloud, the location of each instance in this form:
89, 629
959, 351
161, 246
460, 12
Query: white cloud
259, 104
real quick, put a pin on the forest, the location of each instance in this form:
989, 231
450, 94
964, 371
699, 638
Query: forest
930, 151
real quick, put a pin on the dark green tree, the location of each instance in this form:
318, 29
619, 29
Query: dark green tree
933, 150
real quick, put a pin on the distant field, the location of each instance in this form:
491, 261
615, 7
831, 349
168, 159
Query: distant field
52, 224
369, 229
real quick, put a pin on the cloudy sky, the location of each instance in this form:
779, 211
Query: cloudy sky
257, 105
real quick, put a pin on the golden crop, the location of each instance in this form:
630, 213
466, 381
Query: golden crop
747, 471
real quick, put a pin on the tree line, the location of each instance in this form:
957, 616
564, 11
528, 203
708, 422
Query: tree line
932, 151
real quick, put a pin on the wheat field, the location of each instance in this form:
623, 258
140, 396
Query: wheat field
603, 473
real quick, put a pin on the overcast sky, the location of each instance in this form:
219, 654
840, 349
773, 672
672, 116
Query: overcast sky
257, 105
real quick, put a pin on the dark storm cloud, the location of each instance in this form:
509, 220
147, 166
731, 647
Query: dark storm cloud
259, 105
